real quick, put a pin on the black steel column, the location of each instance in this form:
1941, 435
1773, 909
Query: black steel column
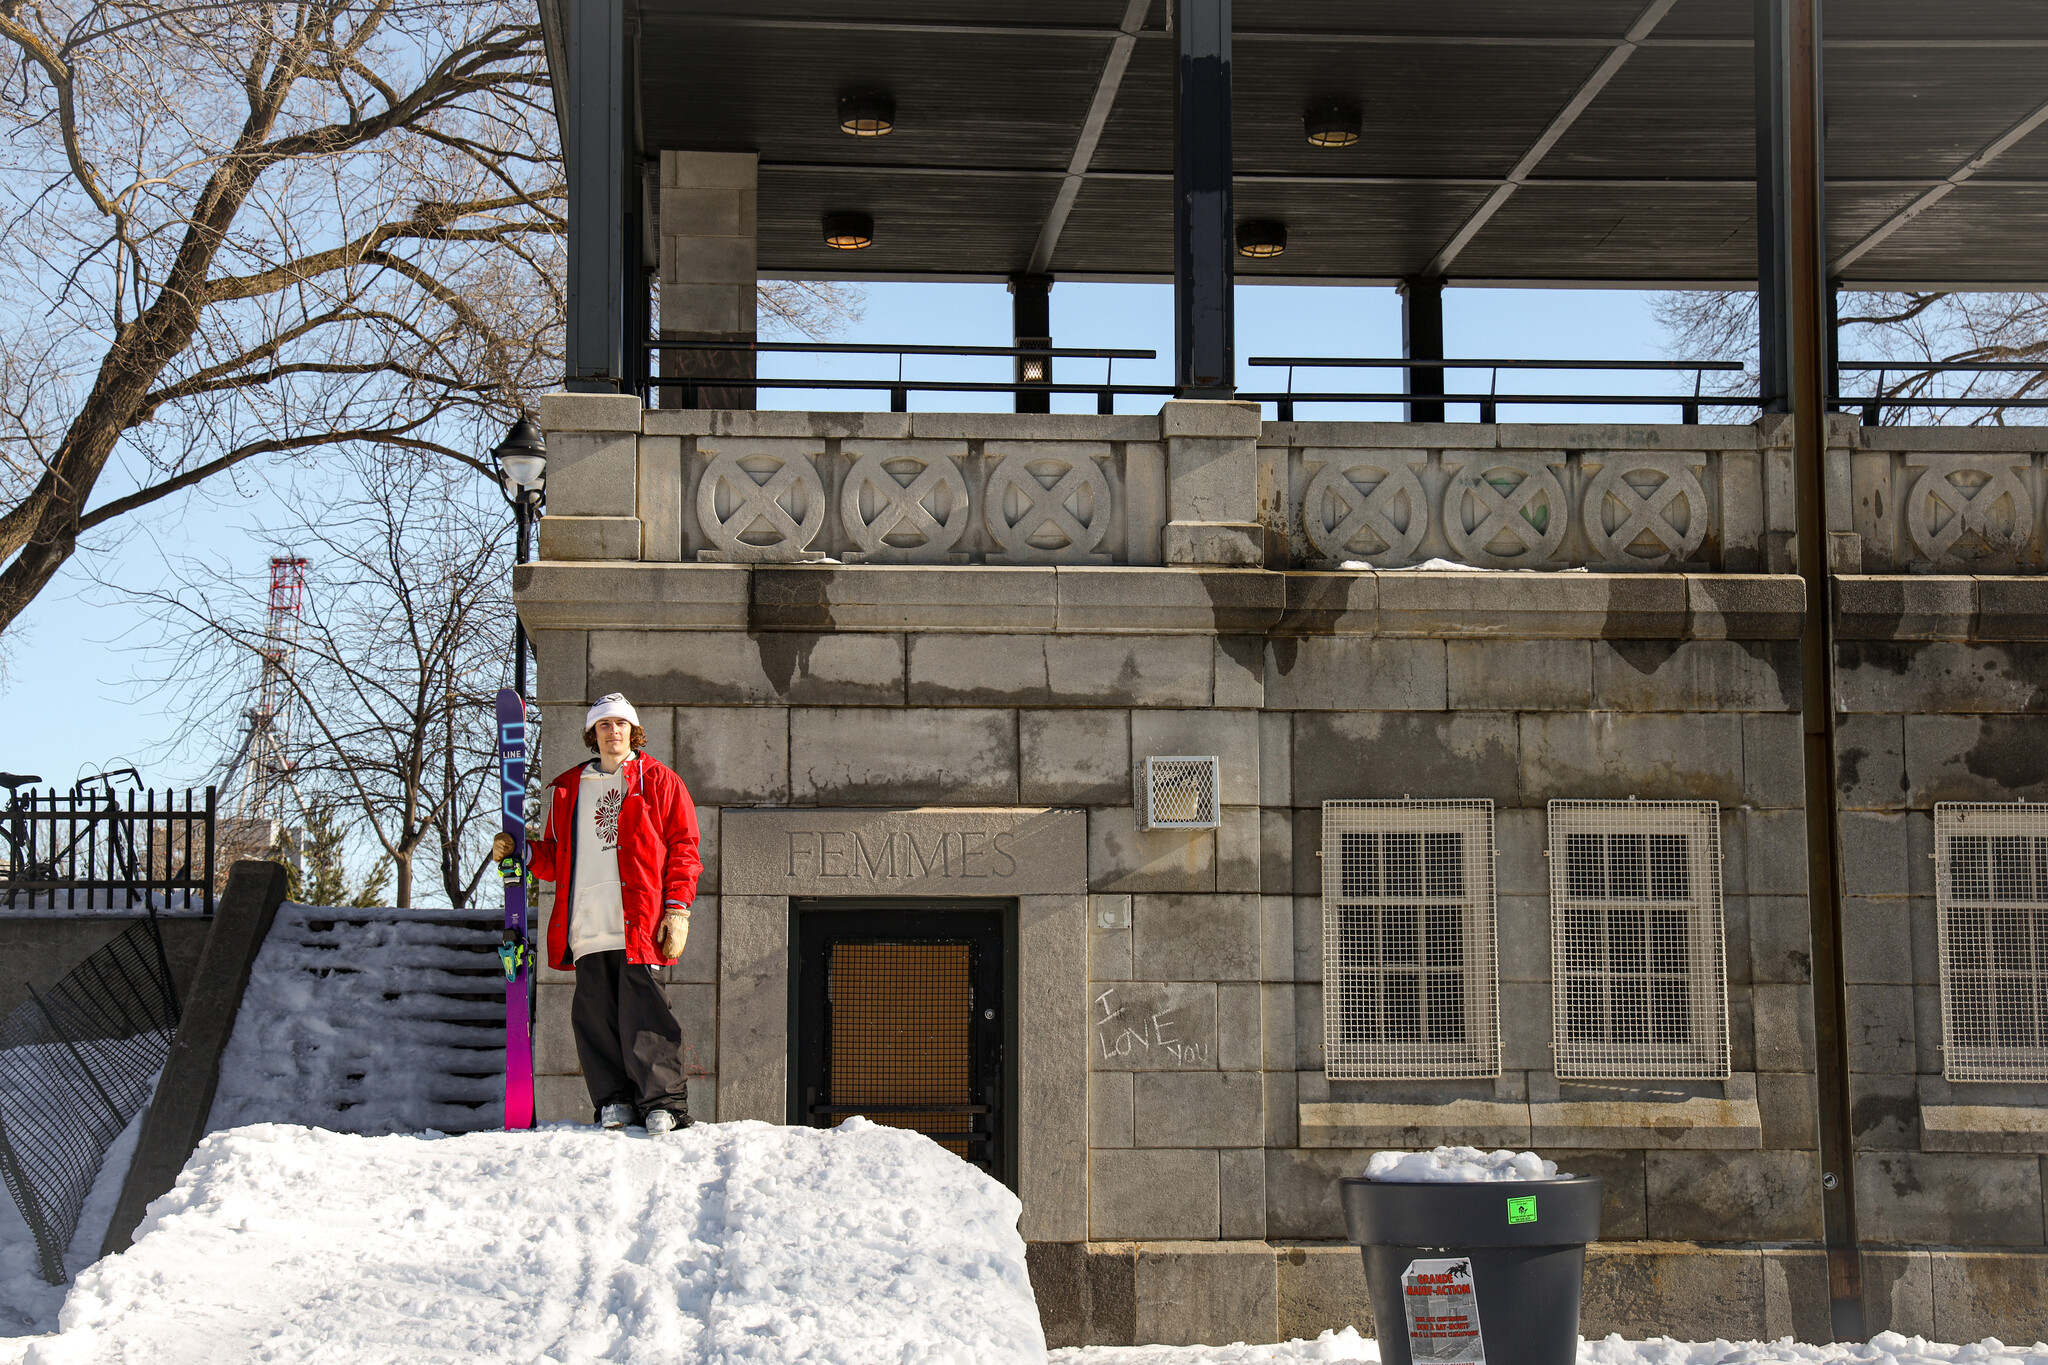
1031, 325
1204, 350
1793, 314
596, 143
1422, 338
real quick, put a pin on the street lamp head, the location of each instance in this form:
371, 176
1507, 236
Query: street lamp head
523, 455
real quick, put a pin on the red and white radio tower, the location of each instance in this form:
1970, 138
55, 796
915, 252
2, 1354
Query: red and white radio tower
259, 775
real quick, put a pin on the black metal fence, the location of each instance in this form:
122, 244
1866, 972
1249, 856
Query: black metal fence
76, 1065
91, 850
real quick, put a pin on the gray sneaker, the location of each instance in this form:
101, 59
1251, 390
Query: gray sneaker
616, 1115
660, 1121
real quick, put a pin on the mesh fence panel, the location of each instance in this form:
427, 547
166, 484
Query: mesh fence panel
1991, 896
75, 1066
900, 1034
1410, 968
1180, 793
1639, 983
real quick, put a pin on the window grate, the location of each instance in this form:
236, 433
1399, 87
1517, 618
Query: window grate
1991, 898
1410, 972
1639, 982
1181, 793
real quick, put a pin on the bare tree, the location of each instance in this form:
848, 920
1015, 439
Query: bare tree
1909, 331
233, 229
405, 642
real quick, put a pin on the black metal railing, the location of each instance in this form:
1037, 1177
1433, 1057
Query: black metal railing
1689, 406
902, 386
77, 1064
1872, 406
91, 850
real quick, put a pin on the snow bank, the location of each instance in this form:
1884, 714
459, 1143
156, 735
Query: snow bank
1449, 1165
1886, 1348
29, 1304
734, 1243
1344, 1345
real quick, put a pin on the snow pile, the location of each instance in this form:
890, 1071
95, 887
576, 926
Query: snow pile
1886, 1348
735, 1242
354, 1021
29, 1304
1344, 1345
1448, 1165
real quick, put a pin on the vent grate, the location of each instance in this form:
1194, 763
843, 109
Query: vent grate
1181, 792
1991, 897
1639, 986
1410, 968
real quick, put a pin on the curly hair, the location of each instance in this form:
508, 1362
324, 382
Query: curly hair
637, 743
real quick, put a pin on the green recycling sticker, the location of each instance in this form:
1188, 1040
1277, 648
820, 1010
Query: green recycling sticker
1522, 1209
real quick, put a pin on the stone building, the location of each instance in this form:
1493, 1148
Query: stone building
1137, 803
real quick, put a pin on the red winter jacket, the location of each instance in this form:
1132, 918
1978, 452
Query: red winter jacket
658, 862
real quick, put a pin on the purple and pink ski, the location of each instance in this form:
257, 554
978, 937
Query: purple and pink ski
515, 952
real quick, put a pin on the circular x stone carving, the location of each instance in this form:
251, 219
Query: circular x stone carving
759, 495
1645, 512
1505, 512
1363, 512
1046, 507
1970, 511
900, 508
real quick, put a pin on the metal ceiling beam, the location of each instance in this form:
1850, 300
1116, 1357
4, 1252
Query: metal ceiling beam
1941, 190
1559, 126
1091, 134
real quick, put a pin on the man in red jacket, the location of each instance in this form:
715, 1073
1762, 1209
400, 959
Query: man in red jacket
621, 848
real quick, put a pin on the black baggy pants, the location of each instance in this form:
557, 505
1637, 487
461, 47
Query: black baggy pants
627, 1037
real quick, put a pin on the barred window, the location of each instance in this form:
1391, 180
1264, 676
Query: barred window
1639, 984
1991, 895
1410, 979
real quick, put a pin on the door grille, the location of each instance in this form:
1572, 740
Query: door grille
899, 1048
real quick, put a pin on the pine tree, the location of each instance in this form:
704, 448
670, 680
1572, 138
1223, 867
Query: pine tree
325, 880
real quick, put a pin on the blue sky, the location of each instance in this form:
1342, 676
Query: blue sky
70, 705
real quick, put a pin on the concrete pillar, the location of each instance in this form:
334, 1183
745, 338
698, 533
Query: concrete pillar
708, 279
1212, 484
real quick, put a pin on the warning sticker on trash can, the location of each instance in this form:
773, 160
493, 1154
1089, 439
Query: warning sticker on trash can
1443, 1312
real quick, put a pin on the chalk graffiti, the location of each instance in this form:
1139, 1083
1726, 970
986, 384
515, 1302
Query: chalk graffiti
1151, 1036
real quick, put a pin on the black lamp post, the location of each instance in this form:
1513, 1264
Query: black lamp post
523, 462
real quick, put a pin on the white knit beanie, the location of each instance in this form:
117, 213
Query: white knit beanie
611, 704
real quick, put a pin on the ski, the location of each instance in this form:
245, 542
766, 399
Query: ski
515, 951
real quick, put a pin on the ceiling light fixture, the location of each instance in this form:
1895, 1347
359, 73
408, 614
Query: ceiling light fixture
867, 114
1332, 125
849, 231
1261, 240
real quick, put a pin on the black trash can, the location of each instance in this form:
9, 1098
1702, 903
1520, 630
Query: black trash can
1481, 1270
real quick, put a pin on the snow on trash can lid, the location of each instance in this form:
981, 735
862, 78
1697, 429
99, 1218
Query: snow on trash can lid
1459, 1165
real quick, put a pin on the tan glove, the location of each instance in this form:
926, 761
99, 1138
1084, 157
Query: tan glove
673, 934
501, 847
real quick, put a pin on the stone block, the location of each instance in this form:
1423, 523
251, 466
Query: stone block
562, 1099
691, 259
1052, 1014
1525, 1026
1205, 544
1122, 857
1308, 938
589, 538
1612, 756
1656, 1116
1521, 675
875, 757
570, 412
1276, 938
708, 308
1170, 601
1152, 1026
691, 668
1782, 1017
1979, 1294
632, 596
1301, 1191
1202, 417
562, 659
697, 212
1905, 607
1282, 1095
1154, 1194
1082, 757
750, 423
1949, 1199
977, 670
658, 499
1745, 606
1775, 844
1182, 937
753, 1008
1898, 1293
1276, 758
1215, 1291
1588, 606
1734, 1196
1110, 1112
1322, 1289
1884, 1112
1882, 1030
1345, 603
991, 598
1240, 671
696, 1009
1780, 940
2012, 608
1276, 1027
1523, 943
1975, 758
1696, 675
1355, 673
554, 1045
1308, 1025
1622, 1186
1870, 761
1199, 1109
1239, 850
699, 963
1361, 755
1241, 1208
1109, 938
1773, 761
1232, 736
1127, 671
1240, 1044
734, 755
1636, 1289
1939, 676
1874, 853
1877, 940
1211, 478
1788, 1104
1520, 867
709, 170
